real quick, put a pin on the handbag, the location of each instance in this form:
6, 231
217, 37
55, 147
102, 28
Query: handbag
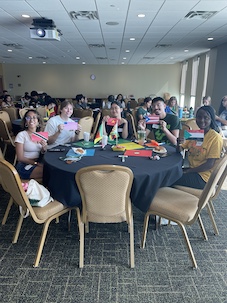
37, 194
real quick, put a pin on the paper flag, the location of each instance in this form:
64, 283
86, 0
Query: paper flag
39, 136
152, 119
114, 133
138, 153
99, 134
111, 121
194, 134
70, 125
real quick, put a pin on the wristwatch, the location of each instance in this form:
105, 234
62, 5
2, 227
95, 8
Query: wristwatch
35, 163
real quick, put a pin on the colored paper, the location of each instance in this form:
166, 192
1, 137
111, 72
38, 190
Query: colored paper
88, 153
114, 133
112, 121
39, 136
70, 125
152, 119
194, 134
138, 153
132, 145
99, 134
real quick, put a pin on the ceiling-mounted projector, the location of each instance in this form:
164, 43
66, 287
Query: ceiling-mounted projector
44, 29
46, 34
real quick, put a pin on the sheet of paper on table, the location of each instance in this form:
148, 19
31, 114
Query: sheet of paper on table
138, 153
89, 153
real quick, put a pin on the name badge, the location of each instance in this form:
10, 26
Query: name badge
155, 126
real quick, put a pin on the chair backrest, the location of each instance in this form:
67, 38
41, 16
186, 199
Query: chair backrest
80, 113
13, 113
105, 191
95, 125
23, 111
86, 124
105, 112
133, 103
11, 183
4, 132
5, 117
214, 179
131, 121
192, 123
42, 111
184, 127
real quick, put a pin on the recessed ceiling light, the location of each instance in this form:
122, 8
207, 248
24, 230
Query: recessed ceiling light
77, 58
132, 39
141, 15
171, 58
127, 51
83, 62
10, 50
25, 16
122, 63
186, 50
124, 58
210, 39
29, 57
44, 62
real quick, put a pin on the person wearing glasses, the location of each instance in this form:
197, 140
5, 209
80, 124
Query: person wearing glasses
29, 152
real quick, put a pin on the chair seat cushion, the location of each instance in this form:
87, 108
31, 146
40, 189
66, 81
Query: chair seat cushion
193, 191
174, 204
49, 210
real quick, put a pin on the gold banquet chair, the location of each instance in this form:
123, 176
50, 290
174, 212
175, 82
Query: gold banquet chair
105, 193
7, 138
95, 125
41, 215
198, 192
86, 125
183, 208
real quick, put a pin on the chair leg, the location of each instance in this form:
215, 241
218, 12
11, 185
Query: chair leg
17, 232
69, 220
81, 232
145, 226
4, 149
15, 159
210, 212
212, 206
202, 228
132, 256
41, 242
10, 203
191, 254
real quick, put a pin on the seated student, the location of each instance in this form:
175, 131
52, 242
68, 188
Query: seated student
34, 99
144, 109
222, 118
51, 106
81, 102
55, 127
28, 152
169, 125
7, 102
115, 112
120, 99
172, 103
202, 155
107, 104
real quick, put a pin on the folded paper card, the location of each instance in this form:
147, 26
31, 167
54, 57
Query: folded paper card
152, 119
194, 134
70, 125
39, 136
138, 153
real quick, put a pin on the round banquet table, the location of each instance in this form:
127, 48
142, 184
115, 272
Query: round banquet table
149, 175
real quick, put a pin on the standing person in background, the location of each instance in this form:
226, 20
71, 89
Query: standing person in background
222, 116
120, 99
206, 100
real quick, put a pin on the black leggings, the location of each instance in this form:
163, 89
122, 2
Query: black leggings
193, 180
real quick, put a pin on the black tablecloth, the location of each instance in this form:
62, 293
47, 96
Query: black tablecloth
149, 175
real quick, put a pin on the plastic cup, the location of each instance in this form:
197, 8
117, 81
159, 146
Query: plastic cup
141, 134
104, 140
86, 137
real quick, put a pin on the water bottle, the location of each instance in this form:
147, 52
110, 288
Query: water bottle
191, 112
180, 112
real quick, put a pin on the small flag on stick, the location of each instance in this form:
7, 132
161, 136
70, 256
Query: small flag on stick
99, 134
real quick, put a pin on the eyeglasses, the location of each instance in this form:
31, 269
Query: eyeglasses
30, 118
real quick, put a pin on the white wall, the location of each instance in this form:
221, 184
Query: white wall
69, 80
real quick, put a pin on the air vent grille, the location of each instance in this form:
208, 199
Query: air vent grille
84, 15
162, 45
13, 45
96, 45
200, 15
101, 58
